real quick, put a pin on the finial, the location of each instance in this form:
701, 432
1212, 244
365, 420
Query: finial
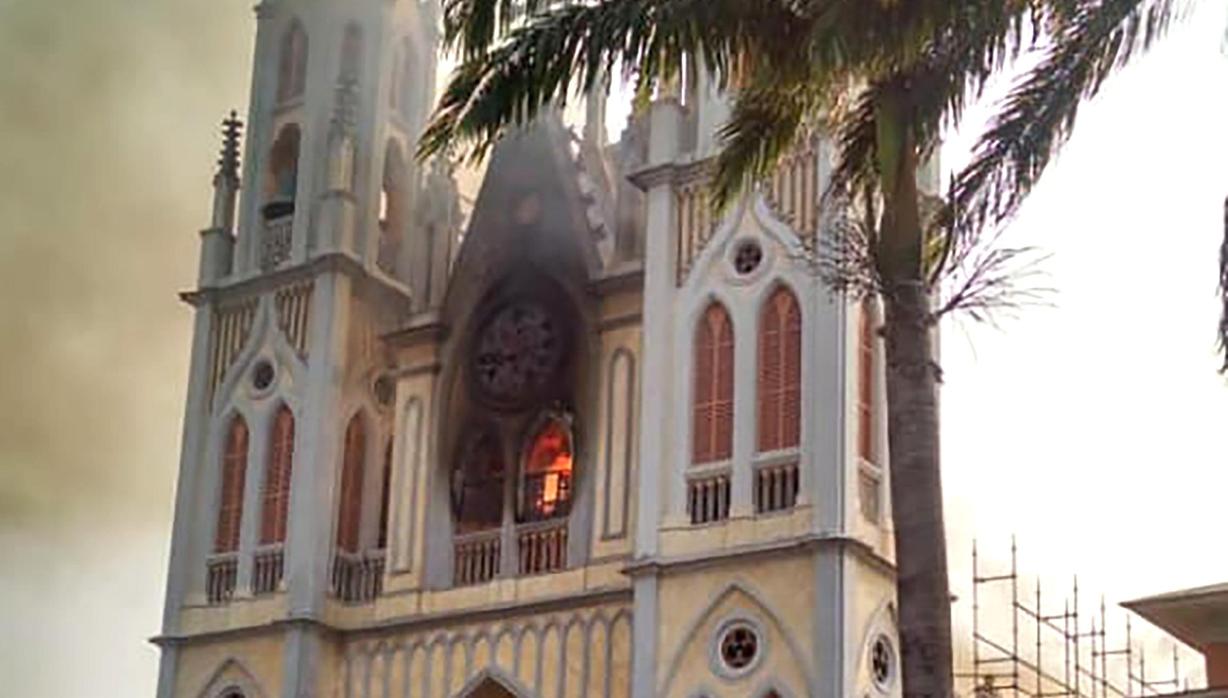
228, 164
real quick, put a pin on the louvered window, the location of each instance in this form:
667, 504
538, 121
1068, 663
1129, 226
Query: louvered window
780, 372
276, 504
713, 402
234, 474
349, 516
865, 383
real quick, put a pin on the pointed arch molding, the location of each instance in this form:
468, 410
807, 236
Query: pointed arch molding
407, 463
619, 453
591, 643
881, 622
264, 338
761, 607
497, 676
231, 675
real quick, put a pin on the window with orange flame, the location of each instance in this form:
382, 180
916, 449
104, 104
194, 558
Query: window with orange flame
546, 488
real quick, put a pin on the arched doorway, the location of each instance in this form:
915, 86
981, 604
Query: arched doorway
490, 688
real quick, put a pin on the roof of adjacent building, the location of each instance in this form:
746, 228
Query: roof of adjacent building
1197, 617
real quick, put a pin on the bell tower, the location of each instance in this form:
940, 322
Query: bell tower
324, 236
338, 91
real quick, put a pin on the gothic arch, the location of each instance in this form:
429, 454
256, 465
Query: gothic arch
236, 452
292, 62
265, 340
714, 351
278, 475
493, 682
779, 334
230, 676
760, 607
881, 622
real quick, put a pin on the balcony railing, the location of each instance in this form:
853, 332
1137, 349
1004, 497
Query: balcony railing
221, 574
708, 496
358, 577
275, 241
542, 546
776, 487
476, 557
268, 566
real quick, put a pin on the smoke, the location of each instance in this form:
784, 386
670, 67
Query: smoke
108, 114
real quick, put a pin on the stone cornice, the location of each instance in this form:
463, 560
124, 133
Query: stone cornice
264, 283
426, 621
423, 328
627, 277
660, 565
679, 173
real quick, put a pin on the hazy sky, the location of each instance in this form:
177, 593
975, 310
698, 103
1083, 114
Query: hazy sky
1092, 429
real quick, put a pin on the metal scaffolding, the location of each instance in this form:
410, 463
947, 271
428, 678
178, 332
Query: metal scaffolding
1049, 653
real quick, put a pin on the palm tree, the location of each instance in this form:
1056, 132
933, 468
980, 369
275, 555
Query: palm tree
884, 77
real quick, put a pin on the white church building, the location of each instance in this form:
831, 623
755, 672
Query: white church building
588, 440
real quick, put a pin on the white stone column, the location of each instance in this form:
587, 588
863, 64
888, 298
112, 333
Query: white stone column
657, 404
317, 448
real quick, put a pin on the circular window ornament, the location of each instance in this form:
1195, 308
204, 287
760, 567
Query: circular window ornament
747, 257
263, 375
738, 649
519, 352
882, 663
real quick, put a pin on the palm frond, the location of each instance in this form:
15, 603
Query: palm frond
565, 46
470, 27
1088, 41
766, 120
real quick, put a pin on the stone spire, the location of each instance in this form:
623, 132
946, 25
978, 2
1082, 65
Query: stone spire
217, 242
228, 163
226, 181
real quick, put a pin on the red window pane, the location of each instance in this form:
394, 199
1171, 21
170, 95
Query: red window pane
349, 516
276, 504
865, 383
234, 474
712, 439
780, 372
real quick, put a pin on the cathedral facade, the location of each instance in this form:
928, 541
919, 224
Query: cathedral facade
582, 437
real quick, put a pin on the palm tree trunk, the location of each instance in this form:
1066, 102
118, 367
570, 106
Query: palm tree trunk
912, 411
916, 494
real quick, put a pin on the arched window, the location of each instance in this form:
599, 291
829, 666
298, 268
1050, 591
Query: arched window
349, 515
292, 70
385, 493
780, 372
713, 406
865, 383
281, 185
477, 485
391, 208
276, 504
351, 54
234, 474
546, 476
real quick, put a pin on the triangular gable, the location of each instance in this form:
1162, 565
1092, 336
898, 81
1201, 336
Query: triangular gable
531, 211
